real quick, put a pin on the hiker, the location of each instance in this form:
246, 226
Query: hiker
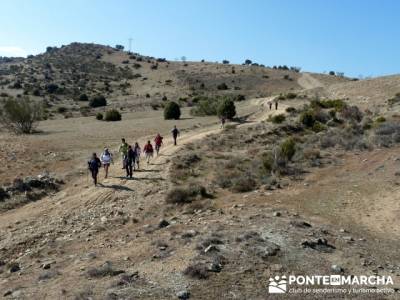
106, 160
130, 161
148, 151
223, 120
158, 142
123, 149
276, 104
175, 133
138, 151
270, 105
93, 165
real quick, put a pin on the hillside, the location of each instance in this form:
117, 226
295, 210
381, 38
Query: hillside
68, 76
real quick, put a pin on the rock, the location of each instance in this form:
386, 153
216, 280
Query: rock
163, 223
319, 244
7, 293
189, 234
183, 295
300, 224
211, 248
103, 219
214, 267
46, 265
336, 269
277, 214
348, 238
342, 230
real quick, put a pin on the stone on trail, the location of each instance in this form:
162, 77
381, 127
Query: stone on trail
183, 295
336, 269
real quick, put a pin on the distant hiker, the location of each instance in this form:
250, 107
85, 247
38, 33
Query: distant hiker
106, 160
148, 151
93, 165
123, 149
223, 120
130, 161
175, 133
276, 104
270, 105
158, 141
138, 151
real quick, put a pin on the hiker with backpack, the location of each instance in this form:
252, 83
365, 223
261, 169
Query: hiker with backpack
94, 165
158, 141
175, 133
276, 104
130, 161
106, 160
138, 151
148, 151
123, 150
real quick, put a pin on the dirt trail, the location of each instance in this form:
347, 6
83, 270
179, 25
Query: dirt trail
308, 82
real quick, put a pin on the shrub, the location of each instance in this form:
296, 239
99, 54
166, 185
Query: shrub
62, 109
226, 108
351, 113
197, 271
278, 119
244, 183
288, 148
291, 95
222, 86
337, 104
225, 62
83, 97
21, 116
380, 120
205, 107
186, 195
99, 116
113, 115
247, 62
98, 101
332, 73
52, 88
286, 77
318, 127
172, 111
291, 110
307, 118
119, 47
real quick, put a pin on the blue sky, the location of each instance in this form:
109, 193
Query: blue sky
358, 37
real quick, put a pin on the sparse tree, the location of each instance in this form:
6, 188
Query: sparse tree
183, 58
21, 115
119, 47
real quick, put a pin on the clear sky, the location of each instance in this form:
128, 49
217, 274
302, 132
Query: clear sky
358, 37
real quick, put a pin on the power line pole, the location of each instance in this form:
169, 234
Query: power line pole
130, 45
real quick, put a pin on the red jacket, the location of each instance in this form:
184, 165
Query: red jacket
148, 148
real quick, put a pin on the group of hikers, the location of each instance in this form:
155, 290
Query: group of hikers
130, 156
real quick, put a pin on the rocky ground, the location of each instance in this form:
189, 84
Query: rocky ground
121, 240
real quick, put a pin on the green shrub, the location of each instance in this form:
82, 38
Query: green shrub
288, 148
205, 107
113, 115
98, 101
291, 95
307, 118
222, 86
277, 119
268, 161
243, 183
172, 111
226, 108
318, 127
61, 109
99, 116
290, 110
21, 115
186, 195
380, 119
83, 97
337, 104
